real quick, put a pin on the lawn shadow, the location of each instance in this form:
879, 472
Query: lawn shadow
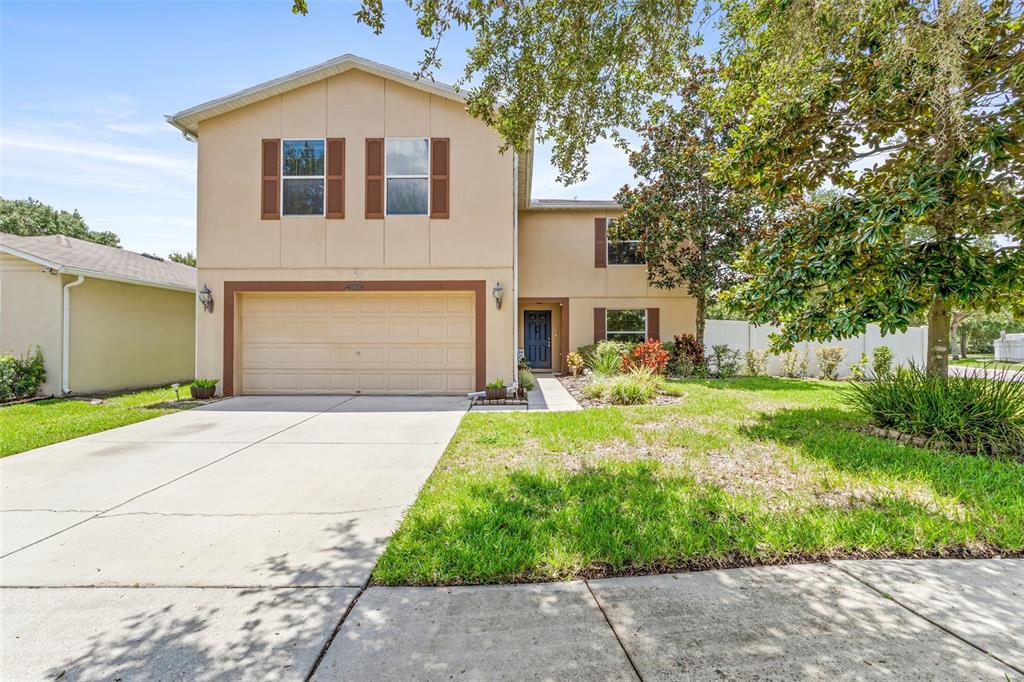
765, 383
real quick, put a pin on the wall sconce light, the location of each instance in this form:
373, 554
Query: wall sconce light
499, 293
206, 298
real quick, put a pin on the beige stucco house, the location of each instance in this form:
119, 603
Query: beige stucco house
105, 319
361, 233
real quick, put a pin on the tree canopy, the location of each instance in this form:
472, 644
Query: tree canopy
188, 258
31, 218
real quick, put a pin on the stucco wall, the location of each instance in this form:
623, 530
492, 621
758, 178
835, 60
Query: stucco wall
30, 314
475, 243
125, 336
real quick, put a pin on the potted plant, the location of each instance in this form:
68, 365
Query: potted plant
496, 389
203, 389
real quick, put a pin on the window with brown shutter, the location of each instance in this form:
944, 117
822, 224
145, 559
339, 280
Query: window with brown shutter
599, 328
271, 178
336, 178
374, 177
439, 163
654, 324
600, 242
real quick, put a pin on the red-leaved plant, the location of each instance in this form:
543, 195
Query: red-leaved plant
649, 354
687, 345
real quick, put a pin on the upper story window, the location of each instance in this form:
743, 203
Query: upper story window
406, 171
623, 251
302, 177
626, 325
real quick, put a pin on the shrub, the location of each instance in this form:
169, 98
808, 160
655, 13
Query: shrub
982, 415
596, 387
829, 358
592, 351
574, 362
649, 354
524, 363
682, 367
637, 387
526, 380
724, 361
881, 363
756, 362
687, 345
794, 364
206, 383
607, 357
21, 377
857, 368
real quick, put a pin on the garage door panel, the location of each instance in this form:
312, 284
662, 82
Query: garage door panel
357, 342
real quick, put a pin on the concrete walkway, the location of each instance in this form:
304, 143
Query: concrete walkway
550, 395
986, 373
221, 542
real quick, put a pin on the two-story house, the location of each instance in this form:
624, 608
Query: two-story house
359, 232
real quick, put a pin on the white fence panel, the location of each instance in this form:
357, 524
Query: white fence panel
909, 346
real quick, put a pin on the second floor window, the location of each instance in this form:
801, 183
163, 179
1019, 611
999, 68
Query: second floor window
406, 170
302, 177
623, 251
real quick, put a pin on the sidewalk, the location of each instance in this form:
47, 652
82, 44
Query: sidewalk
931, 619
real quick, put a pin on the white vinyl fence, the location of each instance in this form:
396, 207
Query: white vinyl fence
1010, 347
906, 347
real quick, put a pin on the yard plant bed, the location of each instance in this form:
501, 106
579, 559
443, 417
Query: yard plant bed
741, 472
34, 424
575, 384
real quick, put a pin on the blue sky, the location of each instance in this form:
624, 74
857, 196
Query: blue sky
84, 87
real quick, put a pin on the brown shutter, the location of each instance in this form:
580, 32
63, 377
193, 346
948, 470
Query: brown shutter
653, 324
374, 177
600, 242
271, 183
439, 161
599, 326
336, 177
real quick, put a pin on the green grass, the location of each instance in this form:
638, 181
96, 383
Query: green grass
32, 425
747, 471
987, 361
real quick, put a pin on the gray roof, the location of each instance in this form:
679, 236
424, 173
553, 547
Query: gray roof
78, 257
577, 204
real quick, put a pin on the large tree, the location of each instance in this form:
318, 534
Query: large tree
30, 218
928, 94
691, 225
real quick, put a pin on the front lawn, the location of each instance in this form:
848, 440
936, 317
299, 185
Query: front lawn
746, 471
31, 425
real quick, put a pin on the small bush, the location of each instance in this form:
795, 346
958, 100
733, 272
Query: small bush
21, 377
524, 363
829, 358
857, 368
574, 362
794, 364
526, 380
596, 387
687, 345
650, 354
638, 387
497, 383
982, 415
724, 362
881, 363
756, 362
205, 383
607, 357
592, 351
683, 367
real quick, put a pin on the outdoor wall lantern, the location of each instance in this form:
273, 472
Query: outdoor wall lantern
206, 298
498, 294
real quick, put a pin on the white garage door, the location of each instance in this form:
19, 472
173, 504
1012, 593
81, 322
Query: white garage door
357, 342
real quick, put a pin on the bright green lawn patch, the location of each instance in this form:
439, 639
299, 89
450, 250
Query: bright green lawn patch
32, 425
746, 471
988, 362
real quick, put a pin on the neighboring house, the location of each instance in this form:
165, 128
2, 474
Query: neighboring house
105, 319
356, 228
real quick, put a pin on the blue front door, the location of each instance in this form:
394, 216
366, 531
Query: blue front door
537, 335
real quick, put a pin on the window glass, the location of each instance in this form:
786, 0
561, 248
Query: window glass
303, 157
303, 196
407, 157
407, 196
623, 249
626, 325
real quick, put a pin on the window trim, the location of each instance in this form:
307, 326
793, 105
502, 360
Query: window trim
322, 178
425, 176
608, 249
609, 335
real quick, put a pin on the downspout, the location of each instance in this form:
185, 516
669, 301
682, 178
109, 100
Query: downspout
65, 370
515, 268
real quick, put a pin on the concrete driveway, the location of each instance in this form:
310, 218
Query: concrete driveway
225, 541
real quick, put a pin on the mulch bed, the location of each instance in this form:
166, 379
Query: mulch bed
575, 384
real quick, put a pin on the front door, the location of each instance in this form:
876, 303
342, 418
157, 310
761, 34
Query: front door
537, 334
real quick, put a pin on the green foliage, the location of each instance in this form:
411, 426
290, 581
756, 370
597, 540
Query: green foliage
983, 329
497, 383
649, 354
829, 359
980, 414
857, 368
881, 361
526, 380
636, 387
21, 377
794, 364
605, 357
756, 362
187, 258
724, 362
205, 383
31, 218
575, 363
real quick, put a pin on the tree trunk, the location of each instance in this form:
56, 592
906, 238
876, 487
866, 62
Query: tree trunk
701, 306
963, 342
938, 337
